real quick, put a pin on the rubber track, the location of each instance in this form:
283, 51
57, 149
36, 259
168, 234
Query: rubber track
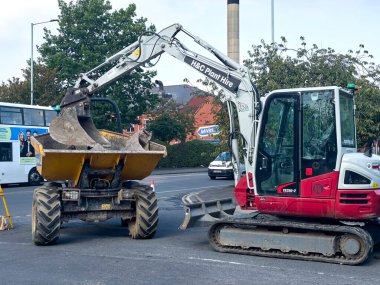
48, 215
313, 227
145, 224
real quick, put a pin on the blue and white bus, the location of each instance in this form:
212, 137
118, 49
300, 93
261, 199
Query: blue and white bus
18, 122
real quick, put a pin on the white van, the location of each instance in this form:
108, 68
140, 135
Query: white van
221, 166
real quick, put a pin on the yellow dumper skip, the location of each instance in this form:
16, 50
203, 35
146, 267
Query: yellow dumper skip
56, 161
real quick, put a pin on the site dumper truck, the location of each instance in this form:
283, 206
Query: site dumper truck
96, 183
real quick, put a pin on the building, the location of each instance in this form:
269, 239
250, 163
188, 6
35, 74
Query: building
181, 94
204, 112
191, 99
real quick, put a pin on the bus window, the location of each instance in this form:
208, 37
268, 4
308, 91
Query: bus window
49, 116
34, 117
10, 115
6, 151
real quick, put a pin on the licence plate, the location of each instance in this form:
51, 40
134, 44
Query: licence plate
217, 171
106, 206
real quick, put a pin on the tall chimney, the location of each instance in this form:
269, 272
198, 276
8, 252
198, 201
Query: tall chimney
233, 29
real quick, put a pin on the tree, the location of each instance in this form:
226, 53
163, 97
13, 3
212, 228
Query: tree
15, 91
46, 87
172, 125
88, 33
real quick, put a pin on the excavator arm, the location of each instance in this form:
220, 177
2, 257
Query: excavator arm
76, 127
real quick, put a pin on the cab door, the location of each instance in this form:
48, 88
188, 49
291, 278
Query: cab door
277, 165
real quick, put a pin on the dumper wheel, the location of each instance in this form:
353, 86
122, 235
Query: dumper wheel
144, 224
46, 215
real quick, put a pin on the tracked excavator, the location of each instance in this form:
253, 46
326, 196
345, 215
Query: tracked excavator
307, 193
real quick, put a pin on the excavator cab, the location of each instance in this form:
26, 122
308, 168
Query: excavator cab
302, 139
298, 138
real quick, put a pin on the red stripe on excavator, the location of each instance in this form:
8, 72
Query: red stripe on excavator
286, 189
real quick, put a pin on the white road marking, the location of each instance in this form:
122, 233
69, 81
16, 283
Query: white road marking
268, 267
165, 176
185, 189
229, 262
12, 243
194, 188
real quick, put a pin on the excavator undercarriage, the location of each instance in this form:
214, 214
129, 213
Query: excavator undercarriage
270, 236
254, 233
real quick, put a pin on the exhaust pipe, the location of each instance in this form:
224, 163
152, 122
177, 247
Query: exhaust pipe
233, 30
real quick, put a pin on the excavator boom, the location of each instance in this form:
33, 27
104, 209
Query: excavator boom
234, 80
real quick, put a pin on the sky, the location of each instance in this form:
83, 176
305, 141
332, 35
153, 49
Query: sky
340, 24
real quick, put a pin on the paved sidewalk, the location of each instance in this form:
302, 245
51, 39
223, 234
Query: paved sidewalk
162, 171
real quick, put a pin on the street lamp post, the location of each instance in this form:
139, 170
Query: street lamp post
31, 57
272, 20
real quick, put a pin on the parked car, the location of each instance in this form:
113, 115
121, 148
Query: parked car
222, 166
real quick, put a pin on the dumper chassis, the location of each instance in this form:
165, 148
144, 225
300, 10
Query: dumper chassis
133, 203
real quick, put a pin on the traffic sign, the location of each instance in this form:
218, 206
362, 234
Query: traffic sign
208, 130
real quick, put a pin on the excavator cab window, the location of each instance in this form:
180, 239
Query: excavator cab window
347, 119
297, 140
277, 164
319, 145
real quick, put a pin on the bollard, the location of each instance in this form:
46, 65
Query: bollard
152, 184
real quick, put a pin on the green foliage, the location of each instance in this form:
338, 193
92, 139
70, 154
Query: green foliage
275, 66
101, 113
190, 154
368, 112
169, 121
88, 33
172, 126
15, 91
46, 88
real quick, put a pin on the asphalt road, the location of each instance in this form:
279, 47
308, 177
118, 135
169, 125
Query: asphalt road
102, 253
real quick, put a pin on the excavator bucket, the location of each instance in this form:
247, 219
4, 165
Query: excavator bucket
74, 126
76, 131
202, 209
